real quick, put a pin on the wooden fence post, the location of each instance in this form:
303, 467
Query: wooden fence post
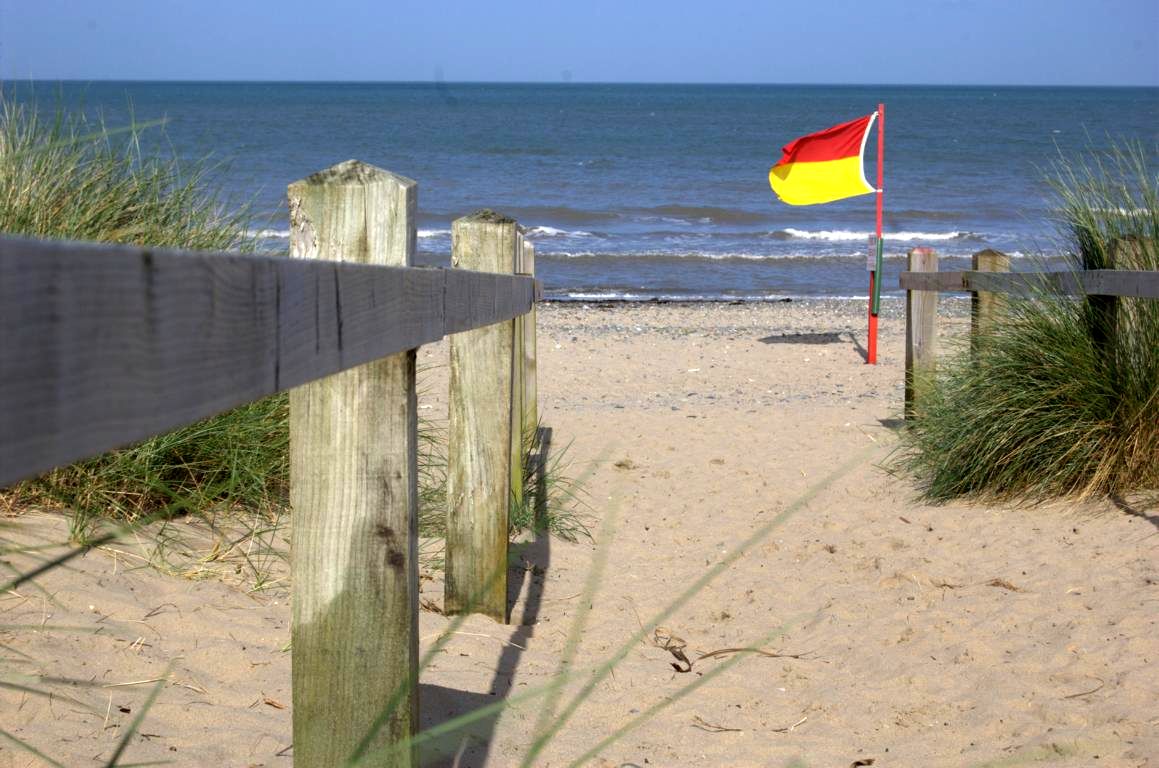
517, 425
920, 332
353, 491
479, 429
1103, 311
530, 387
984, 305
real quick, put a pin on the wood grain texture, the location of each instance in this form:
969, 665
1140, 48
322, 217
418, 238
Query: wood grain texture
479, 429
920, 332
517, 425
530, 385
105, 345
984, 305
1143, 284
354, 488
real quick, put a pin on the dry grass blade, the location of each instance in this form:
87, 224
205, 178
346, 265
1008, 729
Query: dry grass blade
1096, 689
791, 728
693, 589
756, 651
653, 710
704, 725
127, 736
47, 694
1059, 396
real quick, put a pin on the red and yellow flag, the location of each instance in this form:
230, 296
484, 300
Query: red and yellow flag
824, 166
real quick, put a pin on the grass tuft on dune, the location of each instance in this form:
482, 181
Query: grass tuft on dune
66, 177
1059, 397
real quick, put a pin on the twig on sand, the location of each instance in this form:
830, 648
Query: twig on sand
760, 651
1096, 689
663, 639
134, 682
1003, 584
702, 724
789, 728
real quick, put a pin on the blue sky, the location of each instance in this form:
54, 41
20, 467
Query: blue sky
1052, 42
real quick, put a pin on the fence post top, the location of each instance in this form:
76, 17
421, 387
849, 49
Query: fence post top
921, 250
353, 173
991, 252
485, 216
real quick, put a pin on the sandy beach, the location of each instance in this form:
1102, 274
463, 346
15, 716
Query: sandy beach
738, 443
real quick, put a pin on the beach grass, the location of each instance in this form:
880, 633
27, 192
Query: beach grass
553, 500
68, 177
65, 176
547, 698
552, 720
1060, 396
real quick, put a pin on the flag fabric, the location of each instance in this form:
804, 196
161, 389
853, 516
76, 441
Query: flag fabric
824, 166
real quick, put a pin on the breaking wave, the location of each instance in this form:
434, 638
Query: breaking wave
845, 235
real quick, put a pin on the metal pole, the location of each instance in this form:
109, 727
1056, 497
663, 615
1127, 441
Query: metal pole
875, 276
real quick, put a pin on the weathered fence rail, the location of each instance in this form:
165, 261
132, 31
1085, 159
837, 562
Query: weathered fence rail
102, 346
1138, 284
988, 281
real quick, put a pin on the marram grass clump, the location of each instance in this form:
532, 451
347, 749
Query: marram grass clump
1059, 397
65, 177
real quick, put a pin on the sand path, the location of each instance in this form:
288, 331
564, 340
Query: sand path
955, 635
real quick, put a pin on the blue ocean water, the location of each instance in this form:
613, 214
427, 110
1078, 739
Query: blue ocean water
648, 191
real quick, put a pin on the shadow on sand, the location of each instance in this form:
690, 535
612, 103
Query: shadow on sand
1135, 510
527, 564
827, 337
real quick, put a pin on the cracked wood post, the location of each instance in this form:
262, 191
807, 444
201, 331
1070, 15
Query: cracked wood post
353, 492
518, 425
530, 388
920, 332
984, 305
479, 429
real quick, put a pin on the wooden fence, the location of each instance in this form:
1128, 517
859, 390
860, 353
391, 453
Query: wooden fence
990, 278
106, 345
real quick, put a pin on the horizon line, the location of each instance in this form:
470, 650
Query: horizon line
441, 82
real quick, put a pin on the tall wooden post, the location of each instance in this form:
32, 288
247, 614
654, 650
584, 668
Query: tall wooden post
530, 387
353, 490
984, 305
517, 425
480, 419
1103, 311
920, 333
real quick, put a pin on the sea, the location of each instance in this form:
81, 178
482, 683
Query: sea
648, 192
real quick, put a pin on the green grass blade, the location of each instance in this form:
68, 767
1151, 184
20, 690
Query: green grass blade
544, 727
753, 539
659, 706
30, 749
123, 743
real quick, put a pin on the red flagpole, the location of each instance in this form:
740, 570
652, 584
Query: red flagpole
871, 351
